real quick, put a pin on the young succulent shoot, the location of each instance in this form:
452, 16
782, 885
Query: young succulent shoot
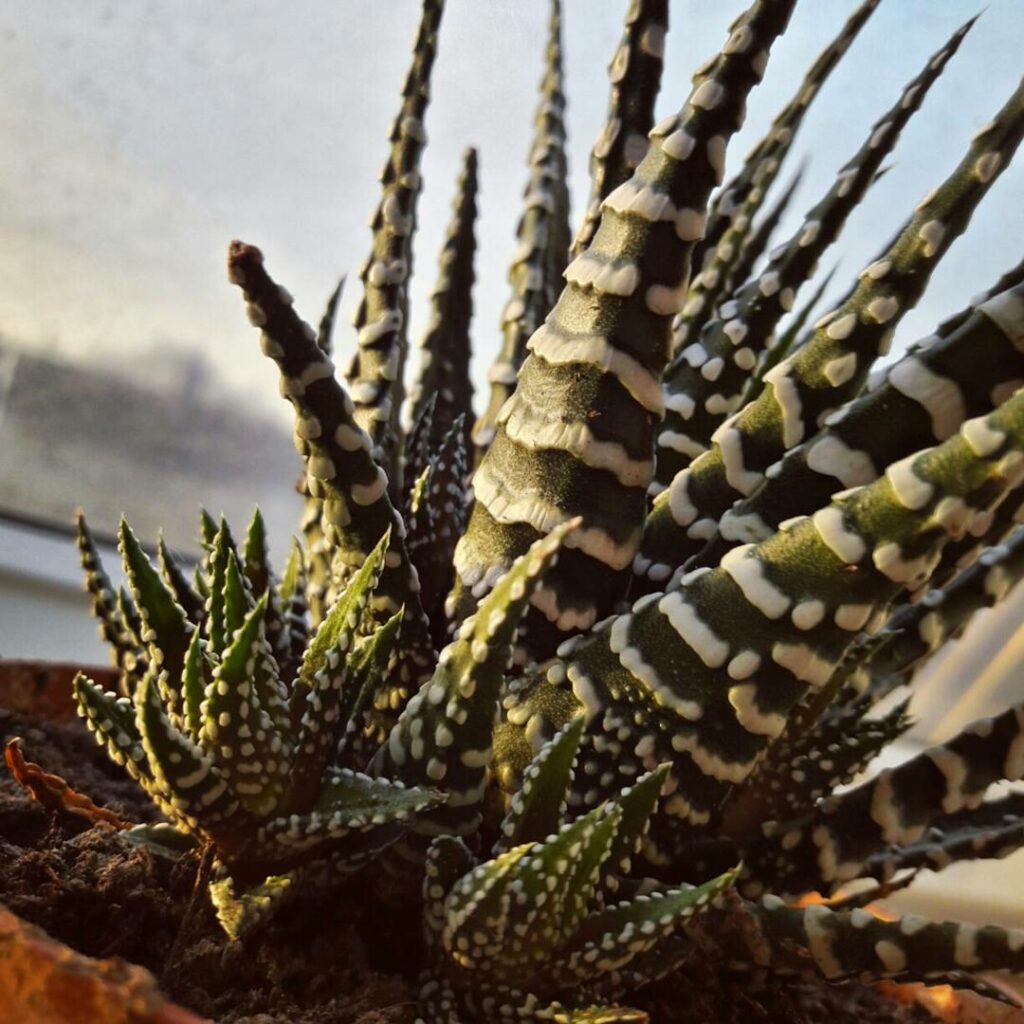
536, 932
444, 735
606, 340
233, 753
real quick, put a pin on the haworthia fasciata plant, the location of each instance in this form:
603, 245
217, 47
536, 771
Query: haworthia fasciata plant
582, 827
712, 669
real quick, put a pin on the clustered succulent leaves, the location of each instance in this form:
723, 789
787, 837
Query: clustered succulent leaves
702, 546
238, 743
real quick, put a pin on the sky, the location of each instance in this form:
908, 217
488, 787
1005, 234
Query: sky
137, 139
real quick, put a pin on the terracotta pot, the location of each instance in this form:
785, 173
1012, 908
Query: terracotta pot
958, 1006
45, 982
42, 981
43, 688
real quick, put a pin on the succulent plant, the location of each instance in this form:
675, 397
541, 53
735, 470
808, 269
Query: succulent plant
549, 916
238, 745
692, 561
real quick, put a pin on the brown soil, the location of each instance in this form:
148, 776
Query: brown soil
322, 961
86, 888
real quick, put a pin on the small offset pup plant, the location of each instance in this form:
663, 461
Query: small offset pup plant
672, 570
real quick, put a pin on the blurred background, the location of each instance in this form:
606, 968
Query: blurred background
138, 139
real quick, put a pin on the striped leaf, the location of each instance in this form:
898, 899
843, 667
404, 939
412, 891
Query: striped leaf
832, 366
635, 77
542, 239
602, 351
444, 735
375, 375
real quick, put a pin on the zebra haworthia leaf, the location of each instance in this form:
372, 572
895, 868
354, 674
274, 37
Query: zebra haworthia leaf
542, 236
635, 76
375, 376
354, 816
839, 838
627, 930
247, 745
125, 652
179, 584
292, 595
764, 161
849, 944
711, 670
602, 348
357, 511
920, 629
437, 522
445, 347
759, 237
325, 330
443, 737
111, 719
539, 807
780, 346
925, 397
324, 697
165, 627
195, 790
378, 694
832, 366
993, 830
712, 367
797, 773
